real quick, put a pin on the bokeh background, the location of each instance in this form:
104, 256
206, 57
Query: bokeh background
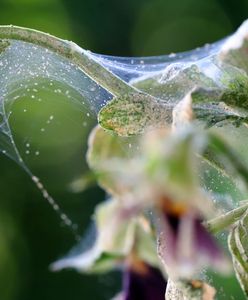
31, 234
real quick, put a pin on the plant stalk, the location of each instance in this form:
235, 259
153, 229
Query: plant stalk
224, 221
80, 57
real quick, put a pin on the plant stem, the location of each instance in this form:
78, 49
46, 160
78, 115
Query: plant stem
222, 222
80, 57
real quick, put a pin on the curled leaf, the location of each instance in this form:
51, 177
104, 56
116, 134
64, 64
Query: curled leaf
238, 246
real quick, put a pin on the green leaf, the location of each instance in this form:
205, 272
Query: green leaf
104, 150
227, 157
103, 145
238, 246
213, 106
105, 263
175, 81
132, 113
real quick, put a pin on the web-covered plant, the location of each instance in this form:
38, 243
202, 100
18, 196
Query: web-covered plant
168, 144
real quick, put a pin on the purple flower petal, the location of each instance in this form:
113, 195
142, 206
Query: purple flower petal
148, 285
208, 248
185, 246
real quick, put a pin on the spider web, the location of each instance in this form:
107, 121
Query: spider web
35, 84
47, 102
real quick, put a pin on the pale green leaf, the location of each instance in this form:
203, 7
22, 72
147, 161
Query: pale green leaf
133, 113
105, 149
103, 145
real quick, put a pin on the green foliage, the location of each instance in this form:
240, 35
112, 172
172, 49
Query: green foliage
216, 96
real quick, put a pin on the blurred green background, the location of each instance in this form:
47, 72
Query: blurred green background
31, 234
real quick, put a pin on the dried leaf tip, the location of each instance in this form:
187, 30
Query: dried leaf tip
183, 113
236, 40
